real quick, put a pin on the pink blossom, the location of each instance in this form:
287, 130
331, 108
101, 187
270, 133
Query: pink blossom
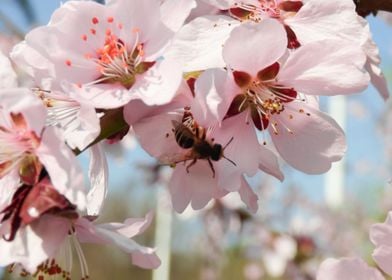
67, 108
304, 22
347, 269
381, 236
43, 245
28, 147
204, 177
278, 91
113, 52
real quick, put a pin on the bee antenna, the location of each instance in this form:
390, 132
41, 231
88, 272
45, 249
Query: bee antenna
229, 160
231, 139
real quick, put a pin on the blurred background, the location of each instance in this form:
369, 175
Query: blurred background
299, 223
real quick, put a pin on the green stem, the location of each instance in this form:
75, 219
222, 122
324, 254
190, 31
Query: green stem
111, 123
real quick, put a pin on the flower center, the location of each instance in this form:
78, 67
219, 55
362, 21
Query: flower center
262, 95
258, 10
59, 267
61, 110
256, 13
269, 9
30, 202
116, 61
16, 143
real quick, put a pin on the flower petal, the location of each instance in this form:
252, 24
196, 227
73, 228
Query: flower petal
159, 84
175, 12
315, 142
243, 145
380, 235
155, 134
197, 187
215, 89
347, 269
22, 100
253, 47
198, 45
268, 162
333, 68
98, 174
8, 77
64, 171
35, 243
248, 196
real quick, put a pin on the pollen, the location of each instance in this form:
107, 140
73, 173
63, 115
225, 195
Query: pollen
68, 62
110, 19
84, 37
93, 31
95, 20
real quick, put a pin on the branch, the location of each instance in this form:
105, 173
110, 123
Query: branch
366, 7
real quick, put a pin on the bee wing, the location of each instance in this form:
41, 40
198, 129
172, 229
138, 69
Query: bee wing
172, 159
183, 129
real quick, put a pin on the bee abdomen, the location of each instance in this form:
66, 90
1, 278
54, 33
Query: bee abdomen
182, 140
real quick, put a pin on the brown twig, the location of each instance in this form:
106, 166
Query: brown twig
366, 7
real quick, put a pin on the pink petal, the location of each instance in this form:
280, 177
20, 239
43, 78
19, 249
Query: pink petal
8, 185
137, 110
221, 4
248, 196
198, 45
382, 255
8, 77
155, 134
175, 12
215, 90
33, 63
253, 47
22, 100
334, 67
381, 237
131, 226
64, 171
378, 79
35, 243
347, 269
147, 260
159, 84
82, 127
373, 61
244, 144
315, 142
323, 20
146, 16
268, 162
118, 234
142, 256
380, 234
98, 174
197, 187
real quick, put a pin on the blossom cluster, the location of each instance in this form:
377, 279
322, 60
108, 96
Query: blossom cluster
219, 96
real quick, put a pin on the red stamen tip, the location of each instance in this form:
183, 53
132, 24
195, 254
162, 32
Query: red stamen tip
95, 20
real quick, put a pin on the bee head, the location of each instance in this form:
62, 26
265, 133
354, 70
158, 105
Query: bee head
217, 152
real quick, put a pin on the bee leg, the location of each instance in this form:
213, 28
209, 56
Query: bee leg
189, 165
212, 167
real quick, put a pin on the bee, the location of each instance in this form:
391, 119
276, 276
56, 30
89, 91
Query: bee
199, 147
